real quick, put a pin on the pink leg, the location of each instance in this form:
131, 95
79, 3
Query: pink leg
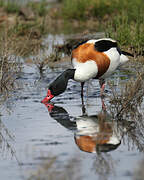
102, 87
103, 104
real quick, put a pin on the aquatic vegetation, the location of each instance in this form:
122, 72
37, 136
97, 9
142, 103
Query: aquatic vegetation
9, 67
47, 61
7, 73
126, 107
128, 101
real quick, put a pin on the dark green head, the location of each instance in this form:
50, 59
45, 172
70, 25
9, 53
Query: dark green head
59, 85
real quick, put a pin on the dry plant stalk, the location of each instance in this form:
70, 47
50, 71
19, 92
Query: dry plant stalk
42, 62
130, 98
9, 67
127, 106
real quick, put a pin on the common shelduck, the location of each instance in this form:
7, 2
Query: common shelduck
92, 59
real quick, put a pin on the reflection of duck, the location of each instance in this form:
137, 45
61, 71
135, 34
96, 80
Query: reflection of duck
62, 117
92, 133
97, 133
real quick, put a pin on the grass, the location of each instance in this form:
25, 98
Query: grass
22, 28
78, 9
75, 9
40, 8
10, 6
26, 35
120, 19
9, 68
128, 29
23, 45
14, 6
83, 10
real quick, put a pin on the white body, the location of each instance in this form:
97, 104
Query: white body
84, 71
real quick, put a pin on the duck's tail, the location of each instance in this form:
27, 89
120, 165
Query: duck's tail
124, 58
127, 53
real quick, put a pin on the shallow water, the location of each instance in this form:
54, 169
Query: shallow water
31, 132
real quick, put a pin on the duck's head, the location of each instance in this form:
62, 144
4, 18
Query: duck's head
59, 85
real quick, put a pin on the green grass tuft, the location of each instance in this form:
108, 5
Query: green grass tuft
11, 6
120, 19
75, 9
40, 8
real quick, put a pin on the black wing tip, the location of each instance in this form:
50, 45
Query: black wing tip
127, 53
105, 45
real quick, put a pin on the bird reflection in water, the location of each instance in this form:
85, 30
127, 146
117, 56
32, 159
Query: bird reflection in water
97, 133
94, 133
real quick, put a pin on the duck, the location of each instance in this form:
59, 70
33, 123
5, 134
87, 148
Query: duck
91, 59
